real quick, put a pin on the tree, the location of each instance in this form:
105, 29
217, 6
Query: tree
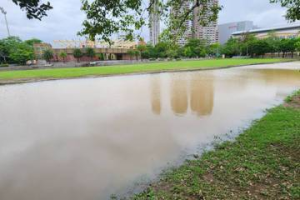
258, 48
34, 9
203, 53
77, 53
293, 8
161, 49
287, 45
48, 55
3, 52
131, 53
188, 52
137, 54
151, 51
90, 52
297, 45
196, 46
214, 49
172, 53
101, 56
142, 49
105, 18
231, 47
14, 50
63, 55
33, 41
273, 42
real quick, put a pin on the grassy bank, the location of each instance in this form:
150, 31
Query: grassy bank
127, 69
263, 163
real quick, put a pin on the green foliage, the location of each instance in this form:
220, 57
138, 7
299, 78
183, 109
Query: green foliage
34, 9
33, 41
134, 53
297, 45
142, 48
63, 55
188, 52
14, 50
293, 8
105, 18
213, 50
258, 48
101, 56
249, 45
48, 55
4, 65
203, 53
231, 48
194, 47
77, 53
90, 52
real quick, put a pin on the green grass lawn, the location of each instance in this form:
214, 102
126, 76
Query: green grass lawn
263, 163
127, 69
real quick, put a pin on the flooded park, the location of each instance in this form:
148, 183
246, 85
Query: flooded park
90, 138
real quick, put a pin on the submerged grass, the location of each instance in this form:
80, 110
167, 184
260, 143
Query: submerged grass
127, 69
262, 163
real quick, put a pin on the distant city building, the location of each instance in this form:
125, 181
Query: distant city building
286, 31
209, 33
154, 23
187, 23
226, 30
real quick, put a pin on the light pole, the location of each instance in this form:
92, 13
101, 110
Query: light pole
4, 13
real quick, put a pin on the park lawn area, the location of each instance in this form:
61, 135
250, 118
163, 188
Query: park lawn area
262, 163
128, 69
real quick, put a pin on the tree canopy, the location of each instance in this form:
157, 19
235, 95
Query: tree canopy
105, 18
34, 8
14, 50
293, 8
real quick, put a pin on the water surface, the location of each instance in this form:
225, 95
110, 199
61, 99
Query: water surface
89, 138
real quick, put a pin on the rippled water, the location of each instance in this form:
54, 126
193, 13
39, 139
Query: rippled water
89, 138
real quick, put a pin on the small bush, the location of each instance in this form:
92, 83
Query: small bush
4, 65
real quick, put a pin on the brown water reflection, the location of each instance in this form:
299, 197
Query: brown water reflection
156, 95
179, 94
196, 94
89, 138
202, 95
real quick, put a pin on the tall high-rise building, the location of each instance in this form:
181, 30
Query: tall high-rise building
154, 23
187, 23
209, 33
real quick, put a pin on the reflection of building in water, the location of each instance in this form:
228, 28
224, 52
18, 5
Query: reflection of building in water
179, 94
202, 95
156, 95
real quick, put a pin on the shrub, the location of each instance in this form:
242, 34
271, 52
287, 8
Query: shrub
48, 55
4, 65
77, 53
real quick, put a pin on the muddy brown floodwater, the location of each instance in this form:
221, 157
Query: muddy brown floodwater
90, 138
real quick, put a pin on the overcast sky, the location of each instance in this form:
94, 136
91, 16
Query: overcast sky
64, 21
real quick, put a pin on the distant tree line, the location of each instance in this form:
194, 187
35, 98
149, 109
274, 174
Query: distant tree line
194, 48
249, 45
48, 54
246, 45
15, 51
